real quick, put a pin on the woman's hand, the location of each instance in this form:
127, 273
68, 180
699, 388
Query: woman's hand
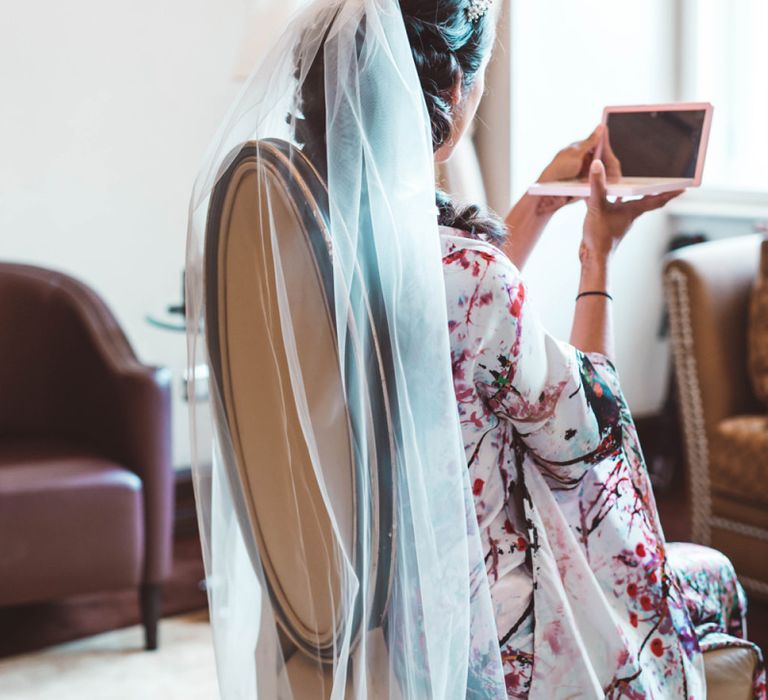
606, 222
605, 226
573, 161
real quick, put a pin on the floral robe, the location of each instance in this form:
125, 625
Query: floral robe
587, 599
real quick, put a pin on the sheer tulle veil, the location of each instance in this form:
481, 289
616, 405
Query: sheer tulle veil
435, 636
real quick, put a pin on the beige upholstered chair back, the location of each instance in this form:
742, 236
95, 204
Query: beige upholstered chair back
269, 286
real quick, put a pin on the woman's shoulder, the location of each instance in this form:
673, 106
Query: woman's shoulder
482, 285
463, 251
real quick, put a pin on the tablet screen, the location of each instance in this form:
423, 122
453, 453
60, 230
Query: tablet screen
657, 144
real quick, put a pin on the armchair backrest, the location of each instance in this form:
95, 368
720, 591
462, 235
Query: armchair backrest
708, 288
60, 350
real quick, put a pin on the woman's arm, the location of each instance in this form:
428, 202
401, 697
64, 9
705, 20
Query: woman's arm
526, 221
592, 329
605, 226
559, 399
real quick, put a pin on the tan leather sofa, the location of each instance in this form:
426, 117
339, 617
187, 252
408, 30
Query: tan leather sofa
86, 485
726, 428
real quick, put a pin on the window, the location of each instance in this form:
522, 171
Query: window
724, 60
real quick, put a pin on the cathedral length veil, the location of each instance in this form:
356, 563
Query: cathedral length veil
434, 635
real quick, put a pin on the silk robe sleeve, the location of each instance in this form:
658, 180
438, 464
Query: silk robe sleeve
563, 403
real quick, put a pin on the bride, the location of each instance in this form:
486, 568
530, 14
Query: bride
530, 559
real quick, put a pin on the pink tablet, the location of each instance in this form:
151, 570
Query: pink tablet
658, 148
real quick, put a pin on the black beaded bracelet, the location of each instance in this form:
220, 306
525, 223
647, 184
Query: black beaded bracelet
585, 294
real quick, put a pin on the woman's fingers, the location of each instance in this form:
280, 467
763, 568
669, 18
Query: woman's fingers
612, 164
597, 187
656, 201
590, 143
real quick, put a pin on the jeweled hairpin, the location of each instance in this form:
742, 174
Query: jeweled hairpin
477, 9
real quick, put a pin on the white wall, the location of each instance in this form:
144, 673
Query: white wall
105, 110
569, 60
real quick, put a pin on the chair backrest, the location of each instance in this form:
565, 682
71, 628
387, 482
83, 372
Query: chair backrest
56, 334
268, 241
708, 288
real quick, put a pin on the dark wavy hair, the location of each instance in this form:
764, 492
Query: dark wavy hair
448, 49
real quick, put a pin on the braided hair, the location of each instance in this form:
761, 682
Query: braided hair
448, 49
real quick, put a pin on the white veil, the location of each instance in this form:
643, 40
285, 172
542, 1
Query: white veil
341, 86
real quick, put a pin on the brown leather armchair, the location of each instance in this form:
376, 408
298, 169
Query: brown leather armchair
726, 430
86, 484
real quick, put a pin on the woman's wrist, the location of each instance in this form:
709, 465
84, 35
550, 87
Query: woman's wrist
591, 330
530, 213
594, 256
595, 266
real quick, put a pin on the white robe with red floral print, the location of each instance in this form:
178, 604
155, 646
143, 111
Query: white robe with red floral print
585, 603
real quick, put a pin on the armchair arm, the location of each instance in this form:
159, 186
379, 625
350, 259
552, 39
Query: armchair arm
128, 415
141, 435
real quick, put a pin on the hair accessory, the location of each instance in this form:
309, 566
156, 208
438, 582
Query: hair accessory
477, 9
586, 294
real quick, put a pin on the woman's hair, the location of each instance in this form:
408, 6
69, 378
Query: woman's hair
448, 48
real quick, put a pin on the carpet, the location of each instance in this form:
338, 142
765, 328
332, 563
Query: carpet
114, 666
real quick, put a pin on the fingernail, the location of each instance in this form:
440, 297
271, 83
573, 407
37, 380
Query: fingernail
595, 167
